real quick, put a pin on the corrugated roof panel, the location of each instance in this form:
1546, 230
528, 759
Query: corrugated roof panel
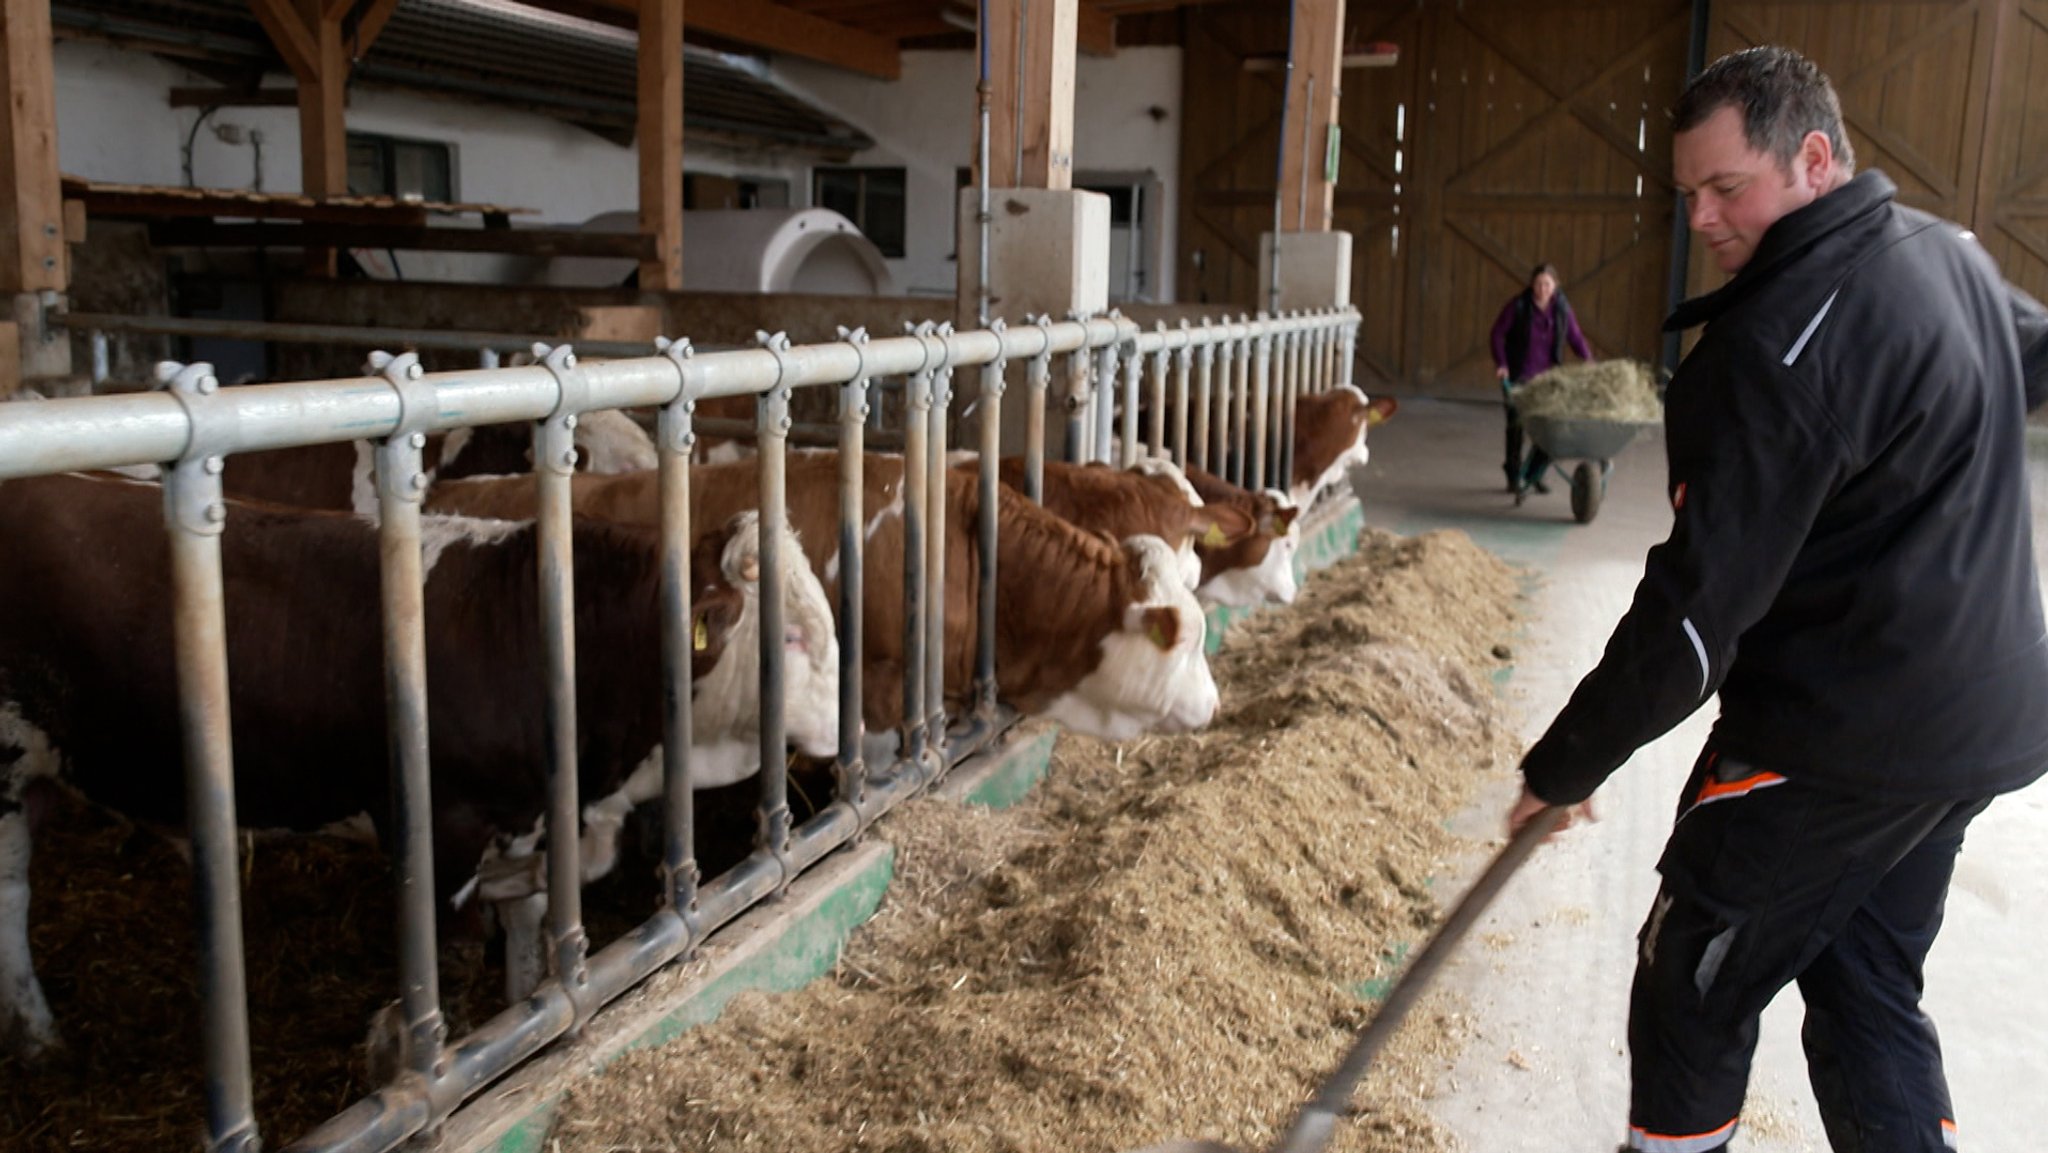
530, 57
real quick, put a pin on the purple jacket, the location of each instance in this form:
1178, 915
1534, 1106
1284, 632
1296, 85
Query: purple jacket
1528, 340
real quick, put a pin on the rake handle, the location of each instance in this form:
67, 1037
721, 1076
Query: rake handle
1317, 1121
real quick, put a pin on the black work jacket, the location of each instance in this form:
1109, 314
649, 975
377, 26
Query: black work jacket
1851, 561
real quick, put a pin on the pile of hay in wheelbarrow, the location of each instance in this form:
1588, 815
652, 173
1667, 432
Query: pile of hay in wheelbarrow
1588, 413
1616, 390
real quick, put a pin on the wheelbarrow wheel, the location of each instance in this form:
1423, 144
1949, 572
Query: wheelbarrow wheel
1586, 492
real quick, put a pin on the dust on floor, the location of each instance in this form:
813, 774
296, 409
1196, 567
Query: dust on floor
1173, 938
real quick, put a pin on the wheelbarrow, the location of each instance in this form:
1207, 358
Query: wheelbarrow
1593, 443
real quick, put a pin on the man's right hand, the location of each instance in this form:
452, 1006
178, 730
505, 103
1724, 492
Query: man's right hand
1529, 804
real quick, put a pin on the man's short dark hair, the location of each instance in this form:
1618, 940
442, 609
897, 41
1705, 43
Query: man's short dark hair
1781, 97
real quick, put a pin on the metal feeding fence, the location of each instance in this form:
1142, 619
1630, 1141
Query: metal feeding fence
1216, 395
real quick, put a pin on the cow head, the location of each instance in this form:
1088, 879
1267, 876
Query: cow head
1258, 567
1165, 472
1329, 438
727, 707
1154, 673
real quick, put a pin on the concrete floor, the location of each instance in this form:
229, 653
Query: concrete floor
1546, 975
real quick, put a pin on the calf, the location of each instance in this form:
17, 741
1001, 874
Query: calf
339, 475
1329, 437
1101, 636
1257, 567
90, 696
1152, 499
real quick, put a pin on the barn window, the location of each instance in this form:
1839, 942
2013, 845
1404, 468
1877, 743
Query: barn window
396, 167
873, 198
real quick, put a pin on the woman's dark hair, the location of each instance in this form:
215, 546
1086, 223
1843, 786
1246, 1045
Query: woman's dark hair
1542, 268
1781, 97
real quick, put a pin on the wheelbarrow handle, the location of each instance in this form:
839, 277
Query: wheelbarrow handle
1316, 1122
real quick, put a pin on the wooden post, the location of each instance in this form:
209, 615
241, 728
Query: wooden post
1314, 85
1031, 102
307, 33
31, 203
661, 141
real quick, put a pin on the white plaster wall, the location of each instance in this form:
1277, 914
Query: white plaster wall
925, 122
114, 124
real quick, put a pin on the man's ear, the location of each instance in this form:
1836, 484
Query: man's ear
1816, 162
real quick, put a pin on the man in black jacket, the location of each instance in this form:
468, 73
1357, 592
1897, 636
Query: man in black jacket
1850, 567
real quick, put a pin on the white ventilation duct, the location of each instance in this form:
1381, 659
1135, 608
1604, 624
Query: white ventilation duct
797, 250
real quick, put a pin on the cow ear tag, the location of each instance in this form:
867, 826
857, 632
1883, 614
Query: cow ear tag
1214, 538
701, 639
1157, 635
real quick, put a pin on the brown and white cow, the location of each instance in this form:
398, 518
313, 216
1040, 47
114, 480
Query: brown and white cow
88, 689
340, 475
1256, 568
1329, 437
1103, 636
1152, 498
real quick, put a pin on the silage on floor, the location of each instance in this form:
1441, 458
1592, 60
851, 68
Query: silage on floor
1168, 939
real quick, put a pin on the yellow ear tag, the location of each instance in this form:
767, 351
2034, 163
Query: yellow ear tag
702, 638
1214, 538
1157, 634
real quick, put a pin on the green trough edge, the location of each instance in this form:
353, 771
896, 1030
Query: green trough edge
808, 946
785, 958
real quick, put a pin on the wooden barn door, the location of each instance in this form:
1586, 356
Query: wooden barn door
1543, 137
2012, 205
1914, 79
1231, 116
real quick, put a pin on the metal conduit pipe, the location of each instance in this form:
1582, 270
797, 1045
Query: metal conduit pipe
1037, 381
401, 485
1261, 400
1105, 404
916, 515
675, 440
850, 767
554, 464
1155, 431
1134, 369
773, 412
937, 494
195, 515
1183, 361
990, 420
1240, 394
1283, 439
1078, 400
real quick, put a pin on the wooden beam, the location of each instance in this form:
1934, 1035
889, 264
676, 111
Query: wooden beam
323, 135
660, 139
31, 202
1314, 87
236, 98
371, 25
779, 28
289, 35
1031, 93
1095, 32
517, 241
